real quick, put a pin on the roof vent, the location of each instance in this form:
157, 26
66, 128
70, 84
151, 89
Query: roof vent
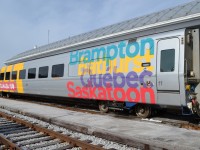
35, 47
132, 40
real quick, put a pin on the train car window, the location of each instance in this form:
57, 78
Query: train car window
7, 76
22, 74
2, 76
43, 72
32, 73
167, 62
14, 75
57, 71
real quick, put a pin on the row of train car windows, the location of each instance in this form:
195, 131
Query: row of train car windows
57, 71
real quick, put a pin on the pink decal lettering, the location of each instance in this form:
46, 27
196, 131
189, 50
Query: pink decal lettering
69, 84
136, 95
10, 86
121, 92
149, 91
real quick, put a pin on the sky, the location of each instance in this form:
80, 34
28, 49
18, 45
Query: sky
25, 23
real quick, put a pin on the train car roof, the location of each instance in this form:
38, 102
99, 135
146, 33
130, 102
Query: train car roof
181, 16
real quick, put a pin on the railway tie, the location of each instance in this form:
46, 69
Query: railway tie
18, 134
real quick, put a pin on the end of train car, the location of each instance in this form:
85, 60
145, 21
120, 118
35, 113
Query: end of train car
192, 69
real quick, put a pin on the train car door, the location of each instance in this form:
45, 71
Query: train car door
168, 69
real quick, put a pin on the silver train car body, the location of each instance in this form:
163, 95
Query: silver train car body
144, 67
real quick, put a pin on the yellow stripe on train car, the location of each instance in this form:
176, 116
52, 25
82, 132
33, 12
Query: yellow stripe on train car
19, 82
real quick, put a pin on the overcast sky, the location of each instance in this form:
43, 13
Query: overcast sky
25, 23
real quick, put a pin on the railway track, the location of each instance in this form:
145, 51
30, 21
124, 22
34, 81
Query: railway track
18, 133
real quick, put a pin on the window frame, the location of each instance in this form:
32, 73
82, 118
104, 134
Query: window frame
13, 76
2, 77
31, 75
7, 77
43, 77
52, 71
24, 73
164, 63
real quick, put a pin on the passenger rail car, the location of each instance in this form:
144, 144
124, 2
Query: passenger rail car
144, 67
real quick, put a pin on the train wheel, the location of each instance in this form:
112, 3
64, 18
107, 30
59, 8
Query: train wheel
1, 94
143, 111
8, 95
103, 107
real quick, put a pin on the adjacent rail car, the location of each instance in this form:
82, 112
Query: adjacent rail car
128, 65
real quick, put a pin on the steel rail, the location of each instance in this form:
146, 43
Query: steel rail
8, 144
